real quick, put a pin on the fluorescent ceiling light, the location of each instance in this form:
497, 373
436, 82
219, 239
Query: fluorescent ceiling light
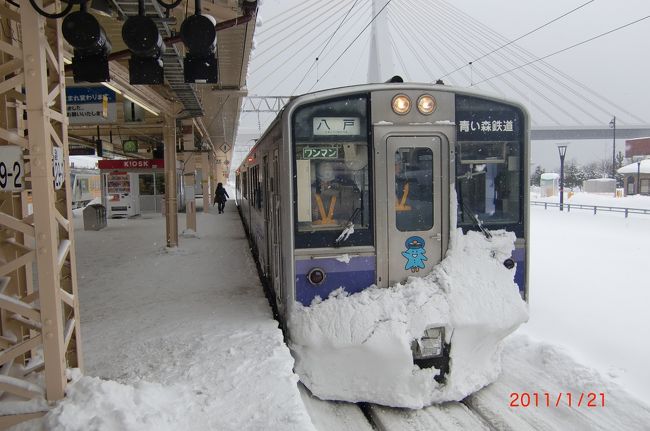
142, 105
110, 87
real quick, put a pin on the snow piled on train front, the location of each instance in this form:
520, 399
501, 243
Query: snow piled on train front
357, 347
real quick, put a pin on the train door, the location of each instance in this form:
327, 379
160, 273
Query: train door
416, 178
276, 234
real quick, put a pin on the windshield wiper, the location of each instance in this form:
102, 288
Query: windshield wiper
349, 228
477, 221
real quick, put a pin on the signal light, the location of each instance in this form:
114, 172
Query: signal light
200, 37
141, 36
91, 47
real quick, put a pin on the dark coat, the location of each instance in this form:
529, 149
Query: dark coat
220, 195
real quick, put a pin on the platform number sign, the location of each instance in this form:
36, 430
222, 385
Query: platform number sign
57, 167
12, 168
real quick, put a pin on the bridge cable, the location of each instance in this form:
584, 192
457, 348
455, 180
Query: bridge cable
520, 37
568, 48
305, 5
307, 57
464, 41
302, 25
496, 37
519, 52
296, 51
301, 16
486, 65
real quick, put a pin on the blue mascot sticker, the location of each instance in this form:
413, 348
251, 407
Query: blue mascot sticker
414, 254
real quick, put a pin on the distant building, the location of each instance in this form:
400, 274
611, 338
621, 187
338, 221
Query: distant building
599, 185
636, 177
638, 148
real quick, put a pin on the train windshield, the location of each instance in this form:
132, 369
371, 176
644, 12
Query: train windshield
332, 173
489, 163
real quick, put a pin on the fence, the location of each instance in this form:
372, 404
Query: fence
594, 208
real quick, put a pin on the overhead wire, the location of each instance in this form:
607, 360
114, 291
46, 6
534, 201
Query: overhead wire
450, 30
569, 47
445, 20
351, 43
561, 76
351, 25
325, 46
487, 34
522, 36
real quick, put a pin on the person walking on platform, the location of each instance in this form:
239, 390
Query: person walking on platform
220, 197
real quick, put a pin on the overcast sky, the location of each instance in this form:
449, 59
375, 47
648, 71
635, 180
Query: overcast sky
430, 38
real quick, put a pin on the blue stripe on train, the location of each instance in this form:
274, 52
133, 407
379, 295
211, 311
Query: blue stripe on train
354, 276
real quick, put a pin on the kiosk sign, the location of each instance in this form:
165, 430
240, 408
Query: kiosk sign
131, 164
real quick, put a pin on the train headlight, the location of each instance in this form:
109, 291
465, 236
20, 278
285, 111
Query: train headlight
430, 345
426, 104
316, 276
401, 104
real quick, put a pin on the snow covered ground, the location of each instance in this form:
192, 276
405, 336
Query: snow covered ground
185, 339
590, 290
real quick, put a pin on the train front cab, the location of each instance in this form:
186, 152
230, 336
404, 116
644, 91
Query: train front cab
371, 189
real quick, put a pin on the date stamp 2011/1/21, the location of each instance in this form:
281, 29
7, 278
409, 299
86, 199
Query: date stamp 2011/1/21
561, 399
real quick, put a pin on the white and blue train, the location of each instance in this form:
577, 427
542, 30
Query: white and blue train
370, 172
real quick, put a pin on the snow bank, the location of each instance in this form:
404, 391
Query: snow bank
357, 347
92, 403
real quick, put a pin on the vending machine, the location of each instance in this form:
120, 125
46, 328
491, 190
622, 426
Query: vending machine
122, 198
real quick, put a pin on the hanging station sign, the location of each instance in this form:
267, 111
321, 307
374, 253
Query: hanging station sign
91, 105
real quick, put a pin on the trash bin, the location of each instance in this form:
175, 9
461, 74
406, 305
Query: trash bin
94, 217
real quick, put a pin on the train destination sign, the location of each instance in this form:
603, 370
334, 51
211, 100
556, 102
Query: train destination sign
336, 126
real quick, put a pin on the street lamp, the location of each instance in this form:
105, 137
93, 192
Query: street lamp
612, 125
561, 148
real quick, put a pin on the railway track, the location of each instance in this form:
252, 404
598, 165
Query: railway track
488, 409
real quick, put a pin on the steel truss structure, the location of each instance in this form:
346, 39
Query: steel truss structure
39, 307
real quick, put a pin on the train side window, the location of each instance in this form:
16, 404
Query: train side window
414, 189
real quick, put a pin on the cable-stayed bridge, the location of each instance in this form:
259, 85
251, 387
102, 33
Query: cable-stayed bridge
317, 45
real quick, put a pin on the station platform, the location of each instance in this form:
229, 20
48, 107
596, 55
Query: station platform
176, 338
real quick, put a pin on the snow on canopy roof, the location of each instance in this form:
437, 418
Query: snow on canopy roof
550, 176
633, 168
